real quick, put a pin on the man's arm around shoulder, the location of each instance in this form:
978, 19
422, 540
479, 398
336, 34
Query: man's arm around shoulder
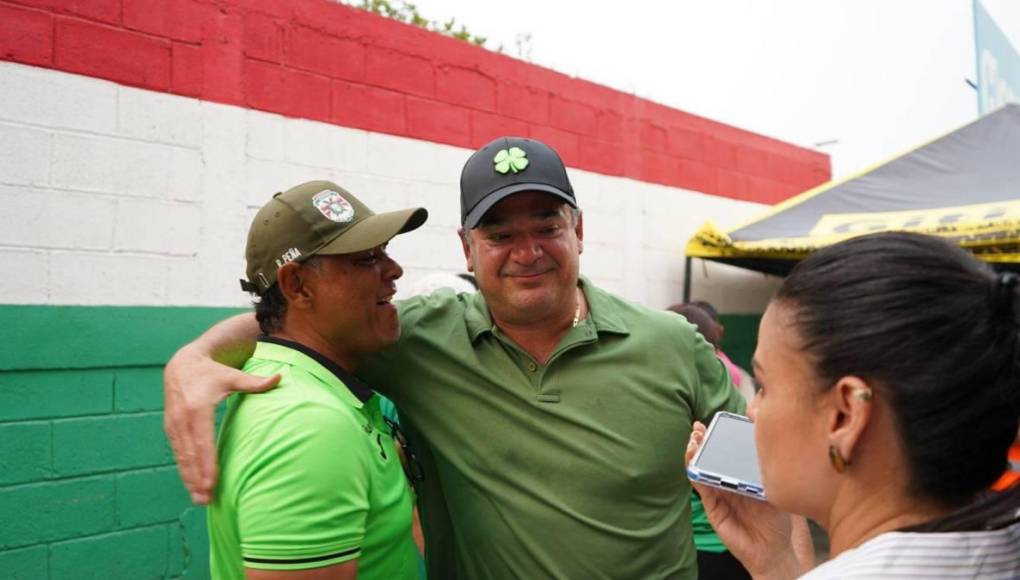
199, 376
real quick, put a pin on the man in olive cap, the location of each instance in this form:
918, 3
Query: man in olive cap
548, 413
311, 482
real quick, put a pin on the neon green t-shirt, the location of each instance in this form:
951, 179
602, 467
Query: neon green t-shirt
310, 476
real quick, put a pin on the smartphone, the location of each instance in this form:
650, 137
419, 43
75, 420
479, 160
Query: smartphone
728, 458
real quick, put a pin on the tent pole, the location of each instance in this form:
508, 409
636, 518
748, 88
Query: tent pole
687, 279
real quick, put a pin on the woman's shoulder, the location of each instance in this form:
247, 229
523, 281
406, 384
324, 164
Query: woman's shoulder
992, 554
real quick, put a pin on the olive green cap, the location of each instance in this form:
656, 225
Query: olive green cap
318, 217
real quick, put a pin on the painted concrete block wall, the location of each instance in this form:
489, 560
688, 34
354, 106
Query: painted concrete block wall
138, 138
88, 488
155, 177
145, 198
321, 60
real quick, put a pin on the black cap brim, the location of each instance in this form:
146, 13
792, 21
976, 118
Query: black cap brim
475, 215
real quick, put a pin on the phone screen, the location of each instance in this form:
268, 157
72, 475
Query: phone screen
730, 450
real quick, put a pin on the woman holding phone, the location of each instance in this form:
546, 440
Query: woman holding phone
889, 367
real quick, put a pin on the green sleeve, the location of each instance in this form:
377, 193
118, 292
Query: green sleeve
304, 497
716, 392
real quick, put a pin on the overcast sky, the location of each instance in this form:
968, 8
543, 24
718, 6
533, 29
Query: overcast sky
879, 76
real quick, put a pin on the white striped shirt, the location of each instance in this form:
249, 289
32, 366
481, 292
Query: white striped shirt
991, 554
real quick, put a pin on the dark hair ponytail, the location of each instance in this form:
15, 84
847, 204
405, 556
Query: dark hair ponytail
936, 332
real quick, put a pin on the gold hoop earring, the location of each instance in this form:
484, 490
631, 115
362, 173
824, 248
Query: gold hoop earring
863, 394
839, 463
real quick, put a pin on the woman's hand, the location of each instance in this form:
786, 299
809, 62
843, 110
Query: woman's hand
755, 532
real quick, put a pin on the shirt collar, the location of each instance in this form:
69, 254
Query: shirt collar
601, 311
357, 387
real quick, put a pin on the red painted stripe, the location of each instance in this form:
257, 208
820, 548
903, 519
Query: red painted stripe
321, 60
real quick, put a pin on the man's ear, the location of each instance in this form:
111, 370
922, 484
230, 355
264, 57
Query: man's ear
293, 283
579, 231
466, 246
851, 412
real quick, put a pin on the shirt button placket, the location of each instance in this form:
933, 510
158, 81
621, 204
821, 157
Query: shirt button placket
535, 375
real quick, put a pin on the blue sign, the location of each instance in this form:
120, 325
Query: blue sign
998, 64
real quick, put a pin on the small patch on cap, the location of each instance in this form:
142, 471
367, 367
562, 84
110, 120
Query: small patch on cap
514, 159
333, 206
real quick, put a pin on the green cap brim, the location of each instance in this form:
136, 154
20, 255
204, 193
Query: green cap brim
374, 231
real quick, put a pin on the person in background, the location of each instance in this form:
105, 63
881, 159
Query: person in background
715, 562
889, 367
743, 380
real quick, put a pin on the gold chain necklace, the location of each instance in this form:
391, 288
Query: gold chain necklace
577, 312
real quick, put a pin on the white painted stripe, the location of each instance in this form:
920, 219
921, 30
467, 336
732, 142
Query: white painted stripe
116, 195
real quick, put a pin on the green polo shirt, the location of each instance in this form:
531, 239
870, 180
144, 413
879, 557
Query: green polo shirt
573, 469
309, 475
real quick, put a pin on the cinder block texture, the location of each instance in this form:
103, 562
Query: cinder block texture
25, 452
25, 564
111, 443
138, 389
31, 285
155, 495
139, 553
87, 485
330, 62
26, 155
48, 394
139, 191
26, 35
39, 218
38, 97
151, 205
46, 512
111, 53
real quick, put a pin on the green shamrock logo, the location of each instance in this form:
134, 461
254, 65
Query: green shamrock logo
513, 159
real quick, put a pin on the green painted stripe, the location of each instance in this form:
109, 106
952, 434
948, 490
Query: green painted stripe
79, 337
741, 337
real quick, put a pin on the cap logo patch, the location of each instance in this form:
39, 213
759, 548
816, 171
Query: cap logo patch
514, 159
332, 205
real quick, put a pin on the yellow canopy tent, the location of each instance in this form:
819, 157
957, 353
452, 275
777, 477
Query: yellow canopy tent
964, 186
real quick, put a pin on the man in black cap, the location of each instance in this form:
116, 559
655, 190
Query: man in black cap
547, 413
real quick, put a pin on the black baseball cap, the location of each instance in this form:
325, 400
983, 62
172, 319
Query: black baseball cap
507, 166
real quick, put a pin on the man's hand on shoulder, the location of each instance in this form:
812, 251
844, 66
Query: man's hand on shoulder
193, 385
